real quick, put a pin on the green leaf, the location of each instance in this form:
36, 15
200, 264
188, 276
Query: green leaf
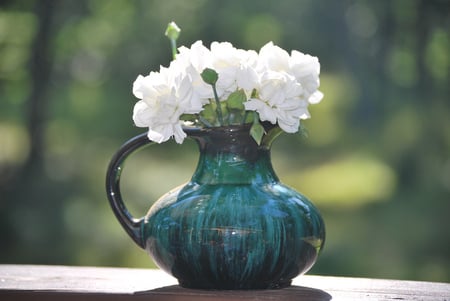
303, 131
209, 113
189, 117
257, 131
209, 110
271, 135
210, 76
248, 118
223, 108
236, 100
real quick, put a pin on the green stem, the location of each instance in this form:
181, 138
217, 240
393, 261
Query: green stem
218, 109
173, 44
204, 121
245, 117
271, 135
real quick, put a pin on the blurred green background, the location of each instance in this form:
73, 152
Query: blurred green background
376, 160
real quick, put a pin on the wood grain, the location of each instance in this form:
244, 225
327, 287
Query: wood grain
31, 282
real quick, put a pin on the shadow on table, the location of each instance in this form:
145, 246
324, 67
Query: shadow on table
297, 293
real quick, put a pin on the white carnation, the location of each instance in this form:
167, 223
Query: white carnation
165, 96
287, 84
278, 86
278, 100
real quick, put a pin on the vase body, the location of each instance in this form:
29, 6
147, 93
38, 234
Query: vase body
233, 225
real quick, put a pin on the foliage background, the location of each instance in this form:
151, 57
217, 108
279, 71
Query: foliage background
376, 161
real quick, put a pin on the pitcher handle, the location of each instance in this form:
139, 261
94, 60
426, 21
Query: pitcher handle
131, 225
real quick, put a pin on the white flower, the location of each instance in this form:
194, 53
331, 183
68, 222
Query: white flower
306, 69
279, 101
235, 68
274, 58
287, 84
247, 76
193, 61
278, 86
165, 96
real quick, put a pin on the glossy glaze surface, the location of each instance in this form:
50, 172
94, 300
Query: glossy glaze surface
234, 225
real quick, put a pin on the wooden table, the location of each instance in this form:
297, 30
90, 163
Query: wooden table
32, 282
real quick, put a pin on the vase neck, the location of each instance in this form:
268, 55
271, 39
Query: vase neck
231, 156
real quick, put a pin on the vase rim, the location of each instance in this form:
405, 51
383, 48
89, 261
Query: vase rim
234, 128
227, 128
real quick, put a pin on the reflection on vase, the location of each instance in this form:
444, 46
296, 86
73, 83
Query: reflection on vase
234, 225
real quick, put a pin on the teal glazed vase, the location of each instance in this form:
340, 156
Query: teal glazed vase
234, 225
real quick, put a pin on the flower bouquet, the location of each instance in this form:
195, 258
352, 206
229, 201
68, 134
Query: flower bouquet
234, 225
222, 86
